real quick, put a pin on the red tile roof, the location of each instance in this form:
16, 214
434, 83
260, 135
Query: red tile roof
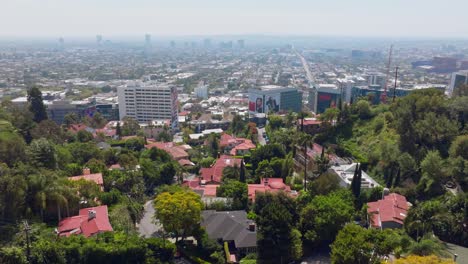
86, 224
309, 122
246, 145
108, 132
208, 190
176, 152
186, 162
215, 173
266, 185
115, 167
77, 127
269, 185
393, 208
96, 177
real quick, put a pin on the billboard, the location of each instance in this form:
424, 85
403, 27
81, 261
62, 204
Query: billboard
264, 102
326, 100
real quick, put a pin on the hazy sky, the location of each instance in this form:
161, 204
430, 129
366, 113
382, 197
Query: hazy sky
419, 18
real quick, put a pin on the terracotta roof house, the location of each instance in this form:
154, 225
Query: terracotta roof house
203, 189
214, 174
232, 227
311, 125
87, 175
269, 185
235, 146
88, 222
390, 212
266, 185
175, 151
77, 127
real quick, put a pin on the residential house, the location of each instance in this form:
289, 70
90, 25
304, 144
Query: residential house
269, 185
87, 175
311, 155
235, 146
310, 125
390, 212
177, 152
266, 185
89, 222
345, 174
232, 227
214, 174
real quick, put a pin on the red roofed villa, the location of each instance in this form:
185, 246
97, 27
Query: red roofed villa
390, 212
95, 177
266, 185
235, 146
89, 222
269, 185
175, 151
214, 174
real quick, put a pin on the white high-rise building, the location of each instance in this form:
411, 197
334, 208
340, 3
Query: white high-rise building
458, 78
201, 91
148, 101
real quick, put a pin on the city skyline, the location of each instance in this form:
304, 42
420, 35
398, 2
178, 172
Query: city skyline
207, 17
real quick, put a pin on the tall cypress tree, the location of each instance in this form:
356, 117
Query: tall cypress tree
118, 130
242, 172
36, 105
356, 182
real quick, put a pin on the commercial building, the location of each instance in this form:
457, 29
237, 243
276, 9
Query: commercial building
57, 110
324, 96
458, 78
273, 98
148, 101
201, 91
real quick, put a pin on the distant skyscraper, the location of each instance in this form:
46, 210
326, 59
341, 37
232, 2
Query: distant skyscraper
207, 43
148, 40
99, 39
61, 43
241, 43
173, 44
148, 45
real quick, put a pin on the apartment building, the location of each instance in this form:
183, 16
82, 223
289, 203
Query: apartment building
148, 101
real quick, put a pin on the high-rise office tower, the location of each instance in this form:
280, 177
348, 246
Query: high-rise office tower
148, 101
61, 43
173, 44
147, 40
207, 43
458, 79
99, 40
241, 43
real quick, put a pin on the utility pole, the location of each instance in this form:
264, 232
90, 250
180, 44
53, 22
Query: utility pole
27, 229
394, 88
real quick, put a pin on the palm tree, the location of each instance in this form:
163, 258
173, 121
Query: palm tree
305, 140
232, 172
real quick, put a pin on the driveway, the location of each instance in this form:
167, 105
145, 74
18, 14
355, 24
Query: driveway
261, 139
147, 226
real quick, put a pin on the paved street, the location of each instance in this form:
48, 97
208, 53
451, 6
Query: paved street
261, 139
147, 227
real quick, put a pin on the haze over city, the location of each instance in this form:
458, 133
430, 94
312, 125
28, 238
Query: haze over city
416, 18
